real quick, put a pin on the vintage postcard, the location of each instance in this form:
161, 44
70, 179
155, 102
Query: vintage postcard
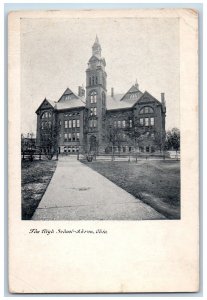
103, 151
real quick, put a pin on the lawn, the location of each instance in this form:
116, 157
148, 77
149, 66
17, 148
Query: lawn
36, 176
156, 183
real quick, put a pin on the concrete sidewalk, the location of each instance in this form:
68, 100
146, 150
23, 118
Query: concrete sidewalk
78, 193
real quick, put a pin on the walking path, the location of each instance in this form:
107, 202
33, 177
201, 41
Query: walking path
78, 193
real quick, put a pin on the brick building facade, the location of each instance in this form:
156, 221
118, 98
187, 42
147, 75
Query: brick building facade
92, 121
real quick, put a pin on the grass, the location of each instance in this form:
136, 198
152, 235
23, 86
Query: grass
156, 183
36, 176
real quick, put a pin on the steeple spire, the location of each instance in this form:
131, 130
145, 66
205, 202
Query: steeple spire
96, 40
96, 48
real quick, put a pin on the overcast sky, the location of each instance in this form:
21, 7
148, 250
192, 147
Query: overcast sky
55, 52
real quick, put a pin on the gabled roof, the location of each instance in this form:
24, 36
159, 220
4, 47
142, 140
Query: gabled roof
119, 101
45, 103
146, 96
66, 93
133, 89
74, 101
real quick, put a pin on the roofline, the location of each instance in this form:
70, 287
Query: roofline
75, 107
129, 91
146, 92
42, 103
122, 108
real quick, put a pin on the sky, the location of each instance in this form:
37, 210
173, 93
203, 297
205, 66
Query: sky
55, 52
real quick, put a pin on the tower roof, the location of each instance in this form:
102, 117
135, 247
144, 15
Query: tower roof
96, 41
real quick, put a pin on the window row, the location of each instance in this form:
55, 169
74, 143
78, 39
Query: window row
72, 137
46, 125
146, 110
71, 149
122, 123
121, 149
46, 115
68, 97
72, 123
147, 121
71, 114
133, 96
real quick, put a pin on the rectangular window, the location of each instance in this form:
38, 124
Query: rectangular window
115, 124
94, 123
141, 121
70, 123
73, 137
74, 123
146, 121
78, 123
66, 124
78, 136
60, 122
152, 121
65, 137
123, 123
119, 124
69, 137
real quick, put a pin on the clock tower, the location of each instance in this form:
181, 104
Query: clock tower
96, 99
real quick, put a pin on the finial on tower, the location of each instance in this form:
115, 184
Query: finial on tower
136, 84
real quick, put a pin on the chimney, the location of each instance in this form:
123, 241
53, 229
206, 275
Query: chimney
81, 91
163, 101
112, 92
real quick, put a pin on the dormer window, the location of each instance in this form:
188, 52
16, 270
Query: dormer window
133, 96
68, 97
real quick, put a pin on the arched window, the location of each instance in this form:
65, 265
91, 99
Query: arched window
147, 110
93, 97
46, 115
